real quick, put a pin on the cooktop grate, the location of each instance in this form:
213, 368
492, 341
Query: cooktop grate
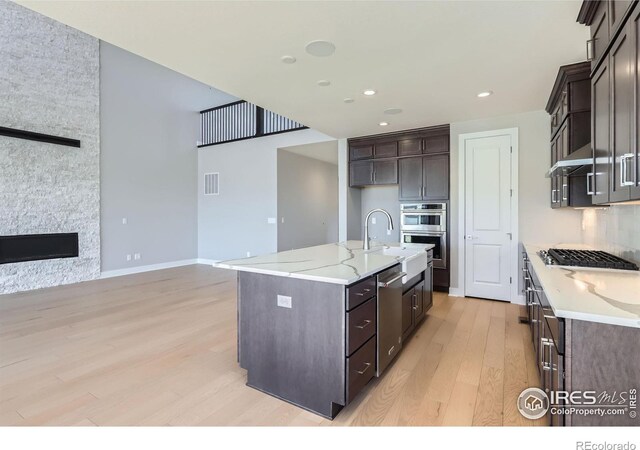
590, 258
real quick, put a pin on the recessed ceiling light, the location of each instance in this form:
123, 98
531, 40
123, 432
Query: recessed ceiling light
288, 59
485, 94
324, 83
392, 111
384, 124
348, 100
369, 92
320, 48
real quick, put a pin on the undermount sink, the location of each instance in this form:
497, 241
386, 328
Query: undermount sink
415, 261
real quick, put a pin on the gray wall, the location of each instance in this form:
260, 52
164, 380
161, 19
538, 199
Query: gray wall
236, 221
385, 197
49, 84
538, 223
149, 159
307, 201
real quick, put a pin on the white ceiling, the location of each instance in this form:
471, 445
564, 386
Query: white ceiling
428, 58
324, 151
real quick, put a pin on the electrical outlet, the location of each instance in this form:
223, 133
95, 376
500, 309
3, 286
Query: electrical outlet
128, 257
248, 254
373, 220
284, 301
271, 220
124, 221
136, 256
388, 232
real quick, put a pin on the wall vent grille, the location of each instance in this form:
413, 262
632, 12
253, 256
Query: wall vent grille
212, 183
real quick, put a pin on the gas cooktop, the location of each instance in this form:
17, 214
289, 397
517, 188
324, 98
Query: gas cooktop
587, 259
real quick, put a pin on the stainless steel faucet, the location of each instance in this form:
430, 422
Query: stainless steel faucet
366, 225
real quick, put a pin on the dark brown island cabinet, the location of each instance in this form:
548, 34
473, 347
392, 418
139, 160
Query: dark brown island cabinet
569, 106
321, 352
614, 51
417, 161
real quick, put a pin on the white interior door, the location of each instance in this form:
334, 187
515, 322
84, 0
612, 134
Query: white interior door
488, 217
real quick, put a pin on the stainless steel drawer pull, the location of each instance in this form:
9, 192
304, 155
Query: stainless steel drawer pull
364, 291
365, 324
361, 372
590, 190
387, 283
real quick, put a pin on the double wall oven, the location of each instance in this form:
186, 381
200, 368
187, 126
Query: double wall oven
425, 223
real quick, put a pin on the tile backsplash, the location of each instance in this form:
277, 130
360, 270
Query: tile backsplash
615, 229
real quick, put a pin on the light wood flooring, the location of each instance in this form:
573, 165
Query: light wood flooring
159, 348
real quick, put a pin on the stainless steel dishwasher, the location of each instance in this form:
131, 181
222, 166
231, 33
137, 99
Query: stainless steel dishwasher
389, 333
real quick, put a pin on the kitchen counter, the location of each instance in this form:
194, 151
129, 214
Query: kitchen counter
340, 263
590, 295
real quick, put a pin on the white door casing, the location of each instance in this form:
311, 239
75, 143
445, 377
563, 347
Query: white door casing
488, 234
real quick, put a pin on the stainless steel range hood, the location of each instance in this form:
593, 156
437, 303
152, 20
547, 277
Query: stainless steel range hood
581, 158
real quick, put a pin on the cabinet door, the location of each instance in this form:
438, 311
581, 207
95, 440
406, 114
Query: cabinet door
407, 312
617, 8
436, 144
408, 147
600, 111
621, 115
410, 179
418, 303
600, 32
360, 151
435, 174
361, 173
385, 150
634, 24
385, 172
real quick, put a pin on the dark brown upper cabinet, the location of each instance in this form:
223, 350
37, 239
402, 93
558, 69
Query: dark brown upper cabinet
362, 151
605, 18
409, 147
372, 172
615, 96
436, 144
599, 177
569, 107
385, 149
381, 159
424, 178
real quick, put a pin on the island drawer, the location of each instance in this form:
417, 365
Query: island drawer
361, 366
360, 292
361, 325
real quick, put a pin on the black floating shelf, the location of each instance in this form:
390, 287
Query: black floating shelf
31, 136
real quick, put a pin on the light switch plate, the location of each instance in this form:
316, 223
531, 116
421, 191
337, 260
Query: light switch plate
373, 221
284, 301
271, 220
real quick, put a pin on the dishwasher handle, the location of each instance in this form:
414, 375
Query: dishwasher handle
389, 282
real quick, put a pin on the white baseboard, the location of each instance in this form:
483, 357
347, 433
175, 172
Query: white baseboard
149, 268
519, 300
456, 292
207, 261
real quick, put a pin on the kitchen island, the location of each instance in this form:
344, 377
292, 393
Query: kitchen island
316, 324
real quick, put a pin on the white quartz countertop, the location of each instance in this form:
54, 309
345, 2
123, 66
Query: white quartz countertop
591, 295
340, 263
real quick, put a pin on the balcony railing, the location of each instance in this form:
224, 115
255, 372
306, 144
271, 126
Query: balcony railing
241, 120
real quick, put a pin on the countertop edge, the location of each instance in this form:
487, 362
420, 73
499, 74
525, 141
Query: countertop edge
299, 276
531, 250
